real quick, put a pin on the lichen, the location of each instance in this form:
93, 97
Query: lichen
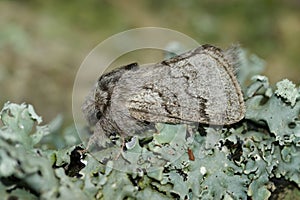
288, 91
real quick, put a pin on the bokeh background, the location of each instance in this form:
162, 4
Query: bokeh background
42, 43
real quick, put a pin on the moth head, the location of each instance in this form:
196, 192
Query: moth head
95, 105
101, 102
105, 87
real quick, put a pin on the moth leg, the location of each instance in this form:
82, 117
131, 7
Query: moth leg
98, 140
191, 129
121, 149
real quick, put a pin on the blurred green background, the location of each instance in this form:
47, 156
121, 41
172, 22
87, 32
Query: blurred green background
42, 43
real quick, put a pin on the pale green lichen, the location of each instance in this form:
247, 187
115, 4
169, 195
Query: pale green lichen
288, 91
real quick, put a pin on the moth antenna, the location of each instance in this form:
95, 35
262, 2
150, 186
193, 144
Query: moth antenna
233, 56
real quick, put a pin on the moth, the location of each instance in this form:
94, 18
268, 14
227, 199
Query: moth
197, 86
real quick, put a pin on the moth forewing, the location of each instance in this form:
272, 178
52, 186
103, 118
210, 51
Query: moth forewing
197, 86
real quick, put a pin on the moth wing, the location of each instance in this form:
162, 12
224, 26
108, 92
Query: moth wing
198, 86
